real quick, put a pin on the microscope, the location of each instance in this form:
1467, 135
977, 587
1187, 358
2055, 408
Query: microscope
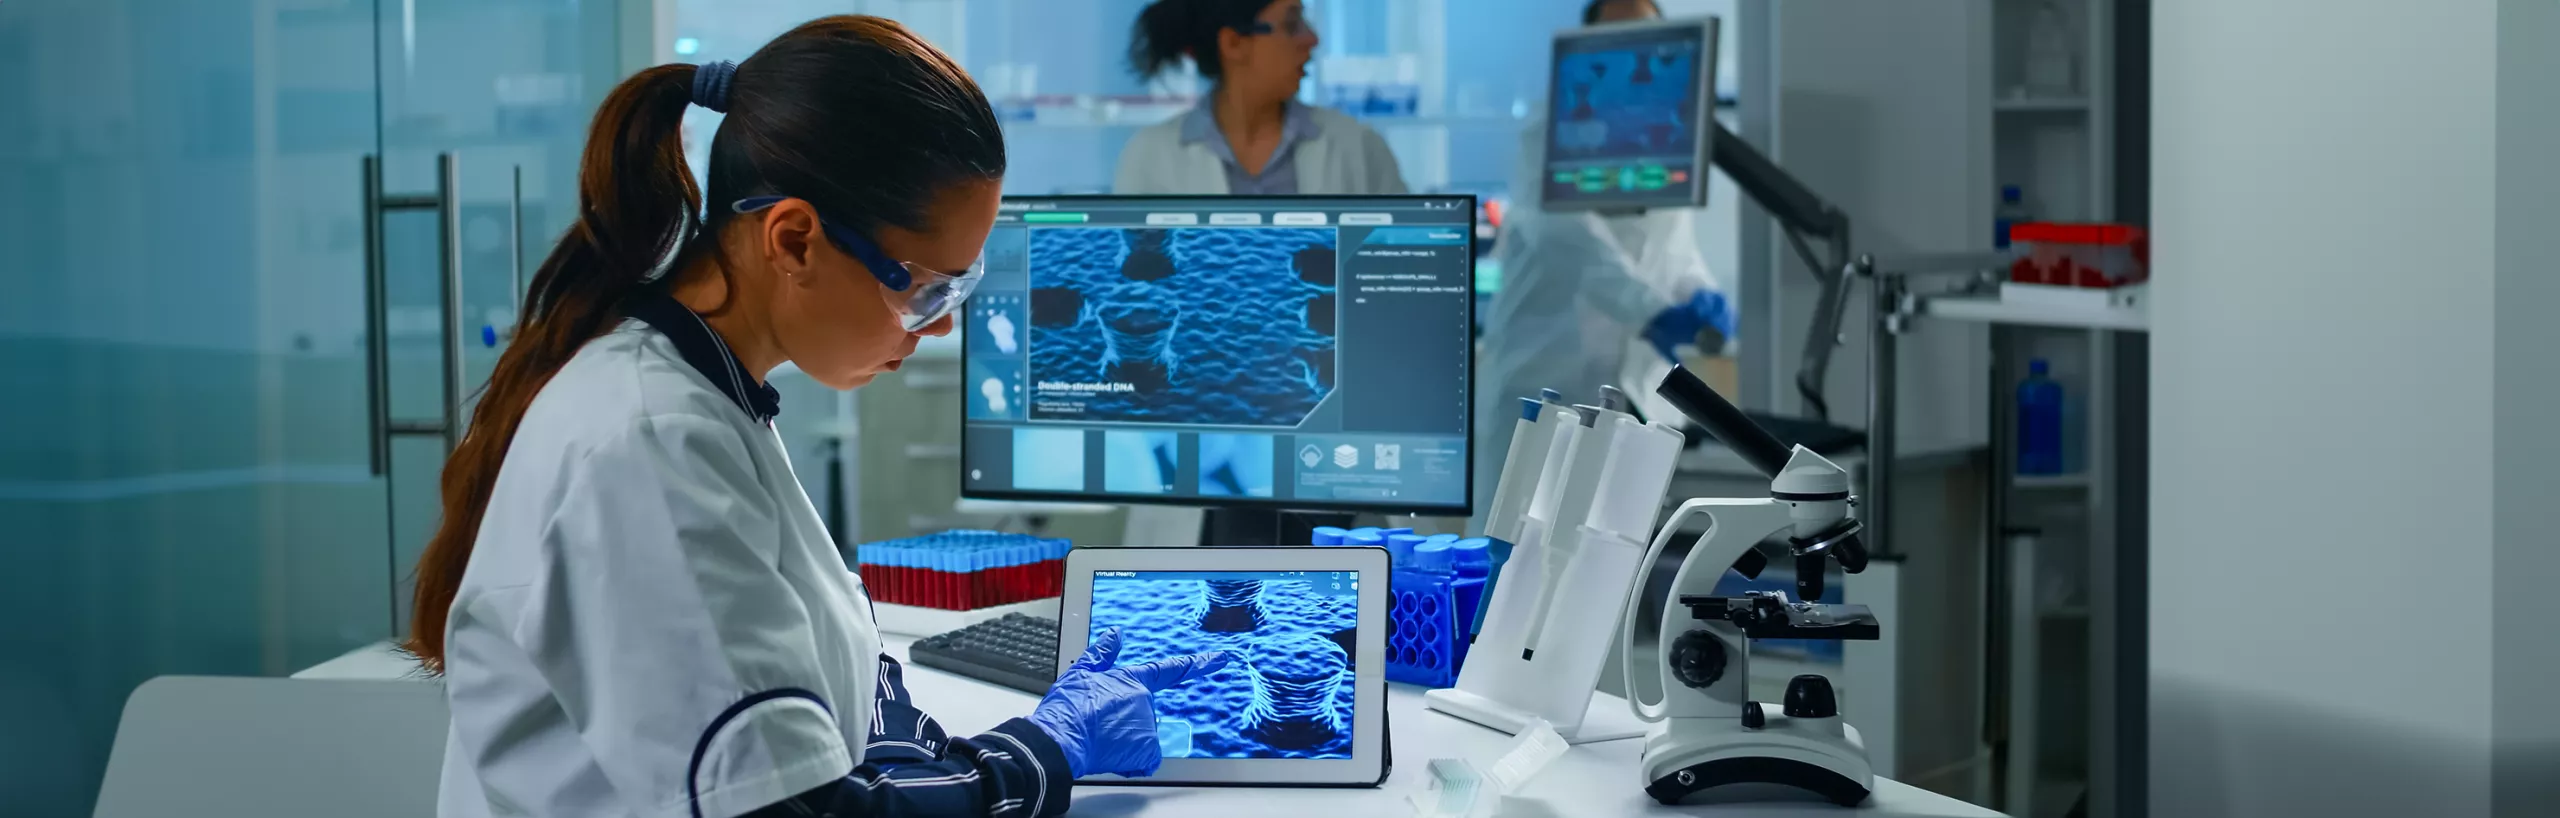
1687, 652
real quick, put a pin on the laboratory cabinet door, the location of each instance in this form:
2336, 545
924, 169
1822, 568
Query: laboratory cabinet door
485, 107
249, 247
184, 480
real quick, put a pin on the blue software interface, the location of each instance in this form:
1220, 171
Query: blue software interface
1288, 694
1289, 352
1627, 116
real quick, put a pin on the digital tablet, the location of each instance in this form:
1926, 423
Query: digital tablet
1304, 702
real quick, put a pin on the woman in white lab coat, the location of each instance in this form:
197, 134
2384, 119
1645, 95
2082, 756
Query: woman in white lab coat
1250, 135
1586, 299
634, 608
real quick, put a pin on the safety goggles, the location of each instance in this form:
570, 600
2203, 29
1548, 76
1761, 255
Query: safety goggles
1293, 24
925, 295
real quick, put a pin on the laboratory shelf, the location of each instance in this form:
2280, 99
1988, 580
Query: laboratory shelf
2049, 105
2065, 612
1991, 310
2051, 482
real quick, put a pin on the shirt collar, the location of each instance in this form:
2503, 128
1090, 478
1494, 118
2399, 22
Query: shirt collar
707, 353
1297, 122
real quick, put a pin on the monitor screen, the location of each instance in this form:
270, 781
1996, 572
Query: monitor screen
1629, 116
1278, 352
1289, 694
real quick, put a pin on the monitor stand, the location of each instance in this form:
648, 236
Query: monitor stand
1260, 526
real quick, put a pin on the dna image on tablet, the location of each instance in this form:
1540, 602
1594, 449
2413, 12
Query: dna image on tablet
1288, 694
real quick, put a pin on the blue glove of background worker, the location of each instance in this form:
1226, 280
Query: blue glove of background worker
1101, 715
1680, 323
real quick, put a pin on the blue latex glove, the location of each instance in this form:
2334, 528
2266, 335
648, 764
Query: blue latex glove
1101, 715
1680, 323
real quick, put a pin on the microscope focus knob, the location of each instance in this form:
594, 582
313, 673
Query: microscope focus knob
1697, 659
1809, 697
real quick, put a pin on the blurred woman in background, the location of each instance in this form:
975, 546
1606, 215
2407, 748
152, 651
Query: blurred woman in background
1250, 135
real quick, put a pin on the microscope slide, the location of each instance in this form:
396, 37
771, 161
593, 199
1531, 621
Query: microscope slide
1180, 325
1289, 692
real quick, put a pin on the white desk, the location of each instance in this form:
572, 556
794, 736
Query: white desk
1590, 780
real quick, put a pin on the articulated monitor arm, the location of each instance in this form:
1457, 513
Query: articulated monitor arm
1802, 213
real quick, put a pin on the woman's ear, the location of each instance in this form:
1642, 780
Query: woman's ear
790, 237
1231, 47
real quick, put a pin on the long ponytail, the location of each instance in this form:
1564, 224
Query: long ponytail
857, 115
636, 206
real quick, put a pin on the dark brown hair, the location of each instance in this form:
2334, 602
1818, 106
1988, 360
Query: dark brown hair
1170, 30
857, 115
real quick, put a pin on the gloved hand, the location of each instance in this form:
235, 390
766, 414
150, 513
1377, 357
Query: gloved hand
1682, 323
1100, 714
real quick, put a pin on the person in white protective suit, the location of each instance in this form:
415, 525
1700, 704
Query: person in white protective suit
1586, 299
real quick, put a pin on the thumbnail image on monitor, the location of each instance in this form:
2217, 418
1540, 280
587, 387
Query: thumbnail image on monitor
1629, 116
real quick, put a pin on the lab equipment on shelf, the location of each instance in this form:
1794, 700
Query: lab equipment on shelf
1019, 651
2011, 213
963, 570
1373, 85
2053, 65
2039, 421
2076, 254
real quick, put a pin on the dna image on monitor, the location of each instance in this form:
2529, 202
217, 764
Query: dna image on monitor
1224, 352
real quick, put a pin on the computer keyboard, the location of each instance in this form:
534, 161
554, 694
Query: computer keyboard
1016, 650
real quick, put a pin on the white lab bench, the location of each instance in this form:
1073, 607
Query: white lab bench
1590, 780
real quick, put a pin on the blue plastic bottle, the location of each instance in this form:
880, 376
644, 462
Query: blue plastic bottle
2039, 422
1327, 535
1403, 547
2012, 211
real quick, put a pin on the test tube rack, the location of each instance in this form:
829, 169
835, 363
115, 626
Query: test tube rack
963, 570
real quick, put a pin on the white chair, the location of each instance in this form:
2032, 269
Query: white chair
276, 748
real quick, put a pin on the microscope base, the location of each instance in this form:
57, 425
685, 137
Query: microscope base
1607, 718
1685, 757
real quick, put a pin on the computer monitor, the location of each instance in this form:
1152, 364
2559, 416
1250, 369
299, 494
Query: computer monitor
1629, 115
1285, 352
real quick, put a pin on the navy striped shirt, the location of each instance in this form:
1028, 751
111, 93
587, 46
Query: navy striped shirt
911, 768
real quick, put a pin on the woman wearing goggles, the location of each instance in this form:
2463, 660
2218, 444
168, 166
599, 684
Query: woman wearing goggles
921, 296
633, 605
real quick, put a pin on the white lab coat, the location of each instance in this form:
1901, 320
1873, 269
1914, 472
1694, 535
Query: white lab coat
649, 576
1577, 290
1342, 156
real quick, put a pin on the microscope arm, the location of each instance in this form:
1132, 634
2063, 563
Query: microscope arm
1652, 617
1802, 213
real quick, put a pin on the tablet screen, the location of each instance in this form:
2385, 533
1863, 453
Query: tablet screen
1289, 692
